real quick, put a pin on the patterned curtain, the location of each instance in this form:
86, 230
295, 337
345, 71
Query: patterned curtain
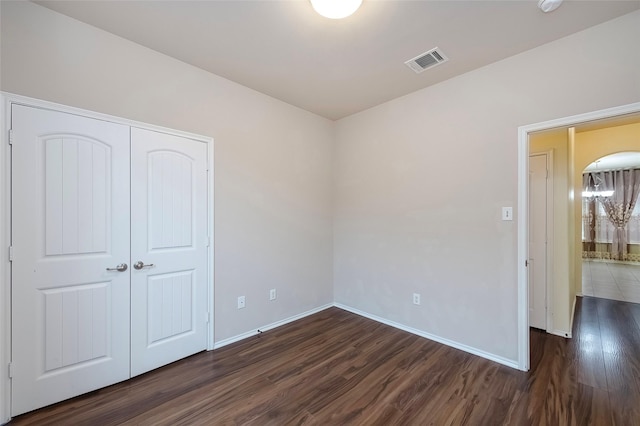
588, 216
618, 207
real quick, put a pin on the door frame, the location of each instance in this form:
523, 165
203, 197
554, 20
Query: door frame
8, 99
523, 205
549, 237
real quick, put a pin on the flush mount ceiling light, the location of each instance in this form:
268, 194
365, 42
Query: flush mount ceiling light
336, 9
549, 5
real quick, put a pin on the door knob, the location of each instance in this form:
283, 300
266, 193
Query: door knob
120, 268
140, 264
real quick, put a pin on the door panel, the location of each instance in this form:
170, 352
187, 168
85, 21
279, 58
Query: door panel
169, 234
76, 175
76, 324
70, 222
538, 241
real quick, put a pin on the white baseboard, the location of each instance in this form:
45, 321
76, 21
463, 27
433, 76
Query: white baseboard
560, 333
573, 313
501, 360
492, 357
564, 333
271, 326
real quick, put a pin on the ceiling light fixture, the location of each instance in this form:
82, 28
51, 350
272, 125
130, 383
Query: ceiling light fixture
594, 183
549, 5
336, 9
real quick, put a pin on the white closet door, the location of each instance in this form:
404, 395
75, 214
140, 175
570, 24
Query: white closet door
70, 215
169, 236
538, 241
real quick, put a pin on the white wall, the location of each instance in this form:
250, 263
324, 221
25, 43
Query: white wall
272, 160
419, 183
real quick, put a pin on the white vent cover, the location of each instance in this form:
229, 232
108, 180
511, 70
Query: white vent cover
427, 60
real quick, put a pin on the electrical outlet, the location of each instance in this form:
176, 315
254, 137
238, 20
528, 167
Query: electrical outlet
272, 294
241, 302
416, 298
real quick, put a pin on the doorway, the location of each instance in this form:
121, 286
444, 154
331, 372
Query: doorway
611, 220
567, 294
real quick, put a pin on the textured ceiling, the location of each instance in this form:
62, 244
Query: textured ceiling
337, 68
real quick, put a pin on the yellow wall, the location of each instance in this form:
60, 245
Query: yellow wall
559, 301
571, 154
573, 248
591, 146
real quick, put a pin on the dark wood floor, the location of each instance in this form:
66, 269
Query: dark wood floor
336, 368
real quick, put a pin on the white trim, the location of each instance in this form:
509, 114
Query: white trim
523, 250
8, 99
523, 193
560, 333
211, 234
491, 357
573, 313
271, 326
38, 103
5, 266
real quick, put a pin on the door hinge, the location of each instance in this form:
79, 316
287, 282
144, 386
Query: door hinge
10, 253
547, 177
10, 370
208, 241
526, 263
206, 319
10, 137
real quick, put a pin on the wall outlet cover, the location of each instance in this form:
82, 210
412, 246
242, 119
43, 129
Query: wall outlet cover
507, 213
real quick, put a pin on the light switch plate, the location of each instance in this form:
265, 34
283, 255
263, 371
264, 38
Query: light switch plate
507, 213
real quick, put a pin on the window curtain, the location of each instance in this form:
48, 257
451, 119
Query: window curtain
588, 216
618, 207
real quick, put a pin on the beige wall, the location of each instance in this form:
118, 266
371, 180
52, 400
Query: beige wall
590, 146
420, 182
560, 302
272, 160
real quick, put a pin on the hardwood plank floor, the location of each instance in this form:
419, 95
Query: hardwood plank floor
336, 368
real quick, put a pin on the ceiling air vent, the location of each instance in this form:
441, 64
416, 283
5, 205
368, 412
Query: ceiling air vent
427, 60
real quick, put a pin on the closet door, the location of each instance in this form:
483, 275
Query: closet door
70, 238
168, 249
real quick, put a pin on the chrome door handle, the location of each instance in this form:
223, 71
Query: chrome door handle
140, 264
120, 268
